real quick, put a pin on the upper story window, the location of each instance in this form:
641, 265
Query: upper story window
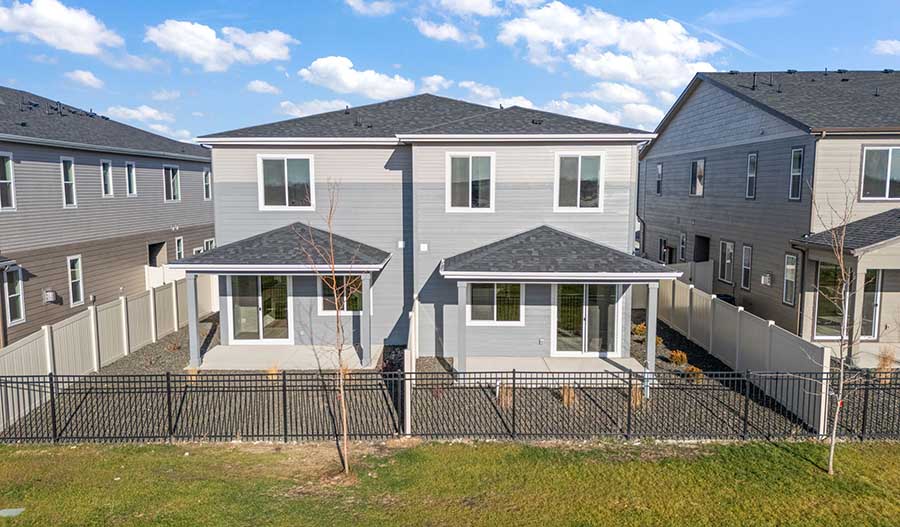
659, 175
67, 169
207, 184
881, 176
495, 304
76, 283
15, 298
662, 254
698, 176
286, 182
106, 179
209, 244
752, 162
726, 261
130, 179
171, 183
7, 182
796, 174
579, 182
470, 182
179, 248
789, 288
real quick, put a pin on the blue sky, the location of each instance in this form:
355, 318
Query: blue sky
185, 69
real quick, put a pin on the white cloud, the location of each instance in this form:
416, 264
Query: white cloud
311, 107
165, 95
142, 113
643, 115
659, 54
85, 78
611, 92
201, 44
373, 8
447, 31
887, 47
435, 83
258, 86
584, 111
338, 74
198, 114
66, 28
747, 12
666, 97
471, 7
180, 134
43, 59
491, 95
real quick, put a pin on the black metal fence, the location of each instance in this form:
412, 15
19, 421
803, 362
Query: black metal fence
291, 406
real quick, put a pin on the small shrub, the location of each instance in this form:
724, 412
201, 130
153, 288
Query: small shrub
678, 357
193, 374
694, 374
885, 365
639, 330
659, 342
504, 396
567, 394
273, 373
637, 396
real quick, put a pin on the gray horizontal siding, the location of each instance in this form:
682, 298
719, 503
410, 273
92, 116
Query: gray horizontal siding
40, 220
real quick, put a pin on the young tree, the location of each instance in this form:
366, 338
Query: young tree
343, 291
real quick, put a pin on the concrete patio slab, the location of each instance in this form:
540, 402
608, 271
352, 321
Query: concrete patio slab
283, 357
553, 364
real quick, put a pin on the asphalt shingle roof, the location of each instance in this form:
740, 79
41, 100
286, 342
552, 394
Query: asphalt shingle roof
863, 233
28, 115
548, 250
5, 262
294, 244
426, 114
820, 100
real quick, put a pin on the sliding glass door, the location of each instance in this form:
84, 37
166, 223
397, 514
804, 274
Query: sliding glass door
260, 309
585, 321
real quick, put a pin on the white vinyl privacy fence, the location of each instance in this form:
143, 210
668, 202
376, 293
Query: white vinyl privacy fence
101, 334
744, 341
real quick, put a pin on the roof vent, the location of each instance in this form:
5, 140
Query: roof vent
358, 121
778, 89
841, 71
347, 110
733, 72
754, 82
537, 121
792, 71
845, 79
23, 124
876, 91
887, 70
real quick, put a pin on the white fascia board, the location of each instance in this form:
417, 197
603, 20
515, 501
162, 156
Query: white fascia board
8, 263
100, 148
287, 269
424, 138
298, 140
550, 277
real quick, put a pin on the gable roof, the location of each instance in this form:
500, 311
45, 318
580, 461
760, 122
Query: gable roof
861, 234
26, 117
545, 250
425, 114
297, 246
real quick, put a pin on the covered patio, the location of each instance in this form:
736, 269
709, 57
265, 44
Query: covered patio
282, 294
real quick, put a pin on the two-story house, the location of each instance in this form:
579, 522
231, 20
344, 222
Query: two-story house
86, 203
503, 234
752, 171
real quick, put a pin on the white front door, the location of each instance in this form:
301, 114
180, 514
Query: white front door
584, 320
260, 309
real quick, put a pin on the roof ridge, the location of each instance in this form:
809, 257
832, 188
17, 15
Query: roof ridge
461, 119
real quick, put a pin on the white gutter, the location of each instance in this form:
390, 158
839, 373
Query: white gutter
100, 148
232, 268
299, 140
587, 277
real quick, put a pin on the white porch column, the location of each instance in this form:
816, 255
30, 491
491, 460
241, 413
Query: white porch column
461, 301
193, 319
652, 305
365, 330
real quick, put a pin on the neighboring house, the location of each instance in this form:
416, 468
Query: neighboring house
504, 232
85, 204
746, 165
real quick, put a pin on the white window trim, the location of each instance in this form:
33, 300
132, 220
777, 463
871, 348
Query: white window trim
747, 195
661, 245
228, 337
80, 279
887, 183
791, 175
179, 247
112, 190
12, 180
749, 268
816, 335
601, 183
691, 185
320, 298
207, 242
207, 184
617, 340
177, 179
10, 323
784, 280
62, 181
495, 322
722, 267
127, 183
285, 157
876, 317
448, 207
198, 250
682, 247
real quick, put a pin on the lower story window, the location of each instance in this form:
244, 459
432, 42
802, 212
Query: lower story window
340, 293
76, 283
829, 302
495, 303
789, 289
726, 262
15, 300
871, 302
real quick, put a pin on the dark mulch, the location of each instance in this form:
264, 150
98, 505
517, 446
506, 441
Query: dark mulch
672, 340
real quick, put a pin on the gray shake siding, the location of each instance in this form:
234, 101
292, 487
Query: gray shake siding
370, 184
524, 195
723, 130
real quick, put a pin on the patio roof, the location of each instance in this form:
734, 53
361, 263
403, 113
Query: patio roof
545, 253
294, 248
861, 235
6, 262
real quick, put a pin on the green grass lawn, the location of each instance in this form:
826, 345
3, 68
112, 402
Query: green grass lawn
452, 484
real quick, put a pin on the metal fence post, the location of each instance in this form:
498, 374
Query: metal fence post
284, 408
171, 428
746, 431
514, 404
407, 403
865, 413
630, 405
54, 434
